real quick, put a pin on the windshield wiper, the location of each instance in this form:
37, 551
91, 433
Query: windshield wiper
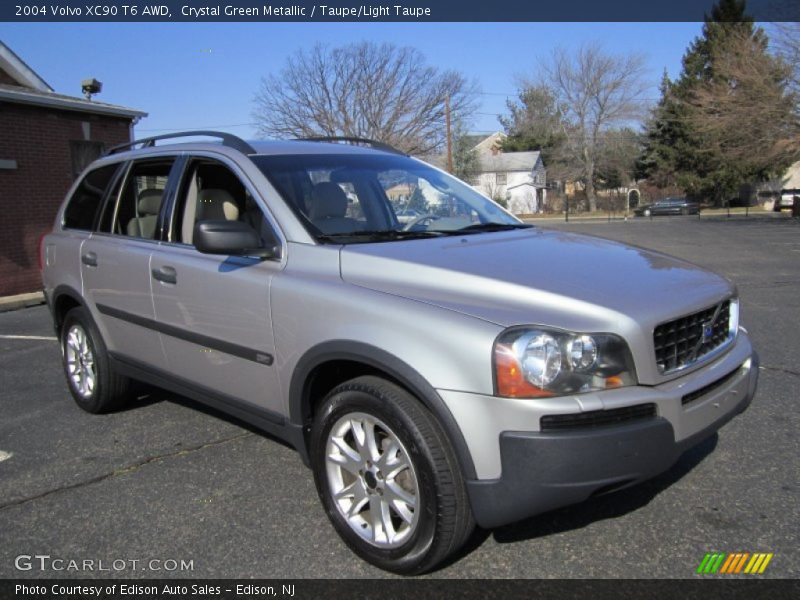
481, 228
377, 235
494, 227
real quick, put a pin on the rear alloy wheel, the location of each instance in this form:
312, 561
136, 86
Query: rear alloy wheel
647, 212
79, 359
92, 382
387, 476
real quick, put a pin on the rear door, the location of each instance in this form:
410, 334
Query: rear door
62, 253
115, 262
214, 314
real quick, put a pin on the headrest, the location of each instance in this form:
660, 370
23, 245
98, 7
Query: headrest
217, 205
328, 200
150, 201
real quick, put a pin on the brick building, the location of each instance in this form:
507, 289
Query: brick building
46, 139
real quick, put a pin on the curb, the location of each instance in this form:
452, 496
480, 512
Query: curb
8, 303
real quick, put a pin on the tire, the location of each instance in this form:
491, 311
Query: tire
424, 508
92, 382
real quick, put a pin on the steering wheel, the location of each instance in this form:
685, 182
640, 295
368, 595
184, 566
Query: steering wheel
421, 220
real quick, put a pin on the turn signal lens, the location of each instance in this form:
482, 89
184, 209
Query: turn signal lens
511, 382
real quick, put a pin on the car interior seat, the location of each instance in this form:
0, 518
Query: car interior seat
328, 207
144, 225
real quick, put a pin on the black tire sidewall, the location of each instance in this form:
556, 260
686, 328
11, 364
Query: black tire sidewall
411, 556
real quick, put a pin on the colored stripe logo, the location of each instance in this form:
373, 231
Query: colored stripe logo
734, 563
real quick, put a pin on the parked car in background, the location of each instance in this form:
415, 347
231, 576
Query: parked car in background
786, 201
668, 206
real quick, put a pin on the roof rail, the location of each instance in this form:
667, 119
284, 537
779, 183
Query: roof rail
228, 139
355, 141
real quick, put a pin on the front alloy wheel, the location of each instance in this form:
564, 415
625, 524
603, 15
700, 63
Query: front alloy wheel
372, 480
388, 477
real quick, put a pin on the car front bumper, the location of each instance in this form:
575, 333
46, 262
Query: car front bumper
536, 471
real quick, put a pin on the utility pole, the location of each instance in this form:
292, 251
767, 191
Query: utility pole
449, 134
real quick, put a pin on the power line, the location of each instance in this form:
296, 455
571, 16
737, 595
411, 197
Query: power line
199, 127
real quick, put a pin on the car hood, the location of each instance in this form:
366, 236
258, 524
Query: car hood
537, 276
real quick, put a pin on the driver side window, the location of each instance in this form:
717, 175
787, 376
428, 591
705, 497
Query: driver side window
210, 191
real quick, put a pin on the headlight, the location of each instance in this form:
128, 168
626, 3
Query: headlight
540, 362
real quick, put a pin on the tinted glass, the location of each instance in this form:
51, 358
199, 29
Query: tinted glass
85, 202
136, 214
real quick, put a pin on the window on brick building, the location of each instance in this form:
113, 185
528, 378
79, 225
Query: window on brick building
83, 154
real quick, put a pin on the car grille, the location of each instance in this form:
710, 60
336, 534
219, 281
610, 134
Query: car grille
686, 340
598, 418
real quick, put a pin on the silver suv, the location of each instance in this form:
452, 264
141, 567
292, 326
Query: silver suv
461, 367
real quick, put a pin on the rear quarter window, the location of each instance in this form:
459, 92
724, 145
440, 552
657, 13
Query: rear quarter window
82, 208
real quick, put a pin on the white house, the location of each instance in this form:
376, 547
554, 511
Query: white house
519, 178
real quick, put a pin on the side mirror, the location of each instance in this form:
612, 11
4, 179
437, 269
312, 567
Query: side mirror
231, 238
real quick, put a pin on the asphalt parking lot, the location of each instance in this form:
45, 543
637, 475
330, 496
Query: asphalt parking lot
172, 481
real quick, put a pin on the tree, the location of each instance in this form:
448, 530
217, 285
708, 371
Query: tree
466, 163
534, 122
595, 91
744, 111
786, 41
726, 120
378, 91
616, 165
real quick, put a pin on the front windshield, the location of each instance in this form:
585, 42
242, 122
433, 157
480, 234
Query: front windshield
352, 198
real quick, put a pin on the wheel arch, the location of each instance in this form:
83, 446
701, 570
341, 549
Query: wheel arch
64, 299
355, 358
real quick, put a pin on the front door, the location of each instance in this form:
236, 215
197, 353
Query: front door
214, 312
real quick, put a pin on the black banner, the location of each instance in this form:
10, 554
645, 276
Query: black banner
386, 11
479, 589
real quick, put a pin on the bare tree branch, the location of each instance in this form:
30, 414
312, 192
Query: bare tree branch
377, 91
747, 110
596, 91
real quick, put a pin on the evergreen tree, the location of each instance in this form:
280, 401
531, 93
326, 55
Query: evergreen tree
466, 164
534, 122
683, 147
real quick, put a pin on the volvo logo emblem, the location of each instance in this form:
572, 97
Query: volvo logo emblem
708, 331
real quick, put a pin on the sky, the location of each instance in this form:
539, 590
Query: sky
204, 75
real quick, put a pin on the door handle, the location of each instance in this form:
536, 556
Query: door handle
89, 259
165, 274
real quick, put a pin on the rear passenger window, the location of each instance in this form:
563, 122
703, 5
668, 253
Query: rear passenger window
136, 214
82, 208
